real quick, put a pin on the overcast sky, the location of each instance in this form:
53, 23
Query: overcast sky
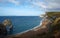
27, 7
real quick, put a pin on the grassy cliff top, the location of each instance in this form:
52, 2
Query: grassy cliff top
50, 14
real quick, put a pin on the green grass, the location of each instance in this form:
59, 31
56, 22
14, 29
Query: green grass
50, 14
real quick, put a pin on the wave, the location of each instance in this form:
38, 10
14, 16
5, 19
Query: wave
38, 25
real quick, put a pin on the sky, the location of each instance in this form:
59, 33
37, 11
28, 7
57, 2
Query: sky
27, 7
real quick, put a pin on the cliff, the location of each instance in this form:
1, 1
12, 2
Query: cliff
50, 28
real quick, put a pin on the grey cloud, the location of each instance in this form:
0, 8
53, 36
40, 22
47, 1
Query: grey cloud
53, 3
46, 4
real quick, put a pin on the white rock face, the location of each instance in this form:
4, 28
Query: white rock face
7, 23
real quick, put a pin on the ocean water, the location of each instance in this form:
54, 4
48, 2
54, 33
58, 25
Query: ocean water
22, 23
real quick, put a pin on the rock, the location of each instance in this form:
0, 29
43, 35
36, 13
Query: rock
50, 28
3, 31
7, 22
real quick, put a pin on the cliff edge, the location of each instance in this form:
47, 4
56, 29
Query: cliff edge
50, 28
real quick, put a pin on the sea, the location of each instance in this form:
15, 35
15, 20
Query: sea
22, 23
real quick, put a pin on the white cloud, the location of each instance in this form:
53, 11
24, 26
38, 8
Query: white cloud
53, 3
49, 4
14, 1
46, 4
40, 4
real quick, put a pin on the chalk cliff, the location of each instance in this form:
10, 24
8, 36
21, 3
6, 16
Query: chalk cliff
50, 28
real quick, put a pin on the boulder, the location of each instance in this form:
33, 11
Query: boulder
3, 31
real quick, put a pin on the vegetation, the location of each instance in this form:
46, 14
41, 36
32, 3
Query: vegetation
50, 14
52, 29
54, 15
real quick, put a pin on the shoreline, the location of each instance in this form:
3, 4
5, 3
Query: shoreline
33, 29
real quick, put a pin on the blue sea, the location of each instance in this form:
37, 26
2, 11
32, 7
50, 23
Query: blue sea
22, 23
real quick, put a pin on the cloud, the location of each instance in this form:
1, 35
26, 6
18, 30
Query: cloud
40, 4
45, 4
53, 3
3, 2
14, 1
31, 2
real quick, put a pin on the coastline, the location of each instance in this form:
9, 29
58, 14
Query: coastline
28, 33
43, 30
30, 30
35, 28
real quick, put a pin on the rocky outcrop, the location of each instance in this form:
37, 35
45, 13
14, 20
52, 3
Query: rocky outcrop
8, 22
3, 31
50, 28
